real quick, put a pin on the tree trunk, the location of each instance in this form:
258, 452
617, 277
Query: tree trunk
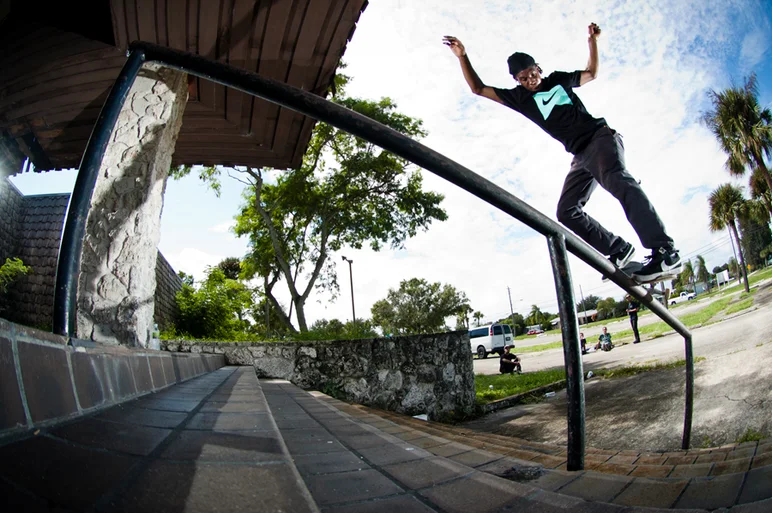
743, 269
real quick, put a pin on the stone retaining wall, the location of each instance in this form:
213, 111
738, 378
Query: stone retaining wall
45, 380
430, 374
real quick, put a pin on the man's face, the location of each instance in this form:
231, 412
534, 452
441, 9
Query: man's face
605, 330
530, 78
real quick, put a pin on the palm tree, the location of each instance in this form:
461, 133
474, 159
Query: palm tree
687, 274
702, 273
726, 203
536, 316
743, 128
760, 190
477, 317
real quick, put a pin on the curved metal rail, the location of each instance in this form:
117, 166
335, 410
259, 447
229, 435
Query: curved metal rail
558, 238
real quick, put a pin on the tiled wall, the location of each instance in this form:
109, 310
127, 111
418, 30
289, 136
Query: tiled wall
44, 380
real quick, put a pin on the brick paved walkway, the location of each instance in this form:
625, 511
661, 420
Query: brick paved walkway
228, 442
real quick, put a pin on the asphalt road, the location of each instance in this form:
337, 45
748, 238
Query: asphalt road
733, 389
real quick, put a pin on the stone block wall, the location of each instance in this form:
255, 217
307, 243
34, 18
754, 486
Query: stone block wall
44, 380
31, 229
167, 284
10, 208
430, 374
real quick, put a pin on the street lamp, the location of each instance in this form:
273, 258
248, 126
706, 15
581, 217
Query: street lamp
351, 279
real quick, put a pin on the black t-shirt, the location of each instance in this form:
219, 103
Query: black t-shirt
556, 109
633, 305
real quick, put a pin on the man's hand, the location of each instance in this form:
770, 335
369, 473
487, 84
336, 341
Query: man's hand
456, 46
594, 31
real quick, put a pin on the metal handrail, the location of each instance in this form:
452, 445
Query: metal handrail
559, 239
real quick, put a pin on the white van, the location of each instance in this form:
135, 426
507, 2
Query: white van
490, 338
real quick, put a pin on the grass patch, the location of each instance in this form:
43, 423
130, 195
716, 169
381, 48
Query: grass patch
739, 306
505, 385
750, 435
639, 369
540, 347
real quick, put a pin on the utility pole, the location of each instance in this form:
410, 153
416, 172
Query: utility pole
351, 279
584, 305
511, 311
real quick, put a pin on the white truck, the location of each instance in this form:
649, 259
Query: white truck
685, 296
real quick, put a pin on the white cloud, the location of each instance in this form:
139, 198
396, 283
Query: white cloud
657, 61
193, 261
223, 227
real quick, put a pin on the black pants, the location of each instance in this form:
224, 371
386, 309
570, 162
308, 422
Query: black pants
634, 324
603, 162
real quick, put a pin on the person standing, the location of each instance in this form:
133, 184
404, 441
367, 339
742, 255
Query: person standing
632, 310
551, 103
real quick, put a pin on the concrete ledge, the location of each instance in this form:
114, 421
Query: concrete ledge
46, 379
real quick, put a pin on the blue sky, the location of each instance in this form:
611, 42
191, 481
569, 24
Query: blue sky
657, 61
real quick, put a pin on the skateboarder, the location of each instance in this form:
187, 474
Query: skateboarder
551, 103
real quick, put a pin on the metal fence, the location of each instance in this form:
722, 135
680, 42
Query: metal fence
559, 240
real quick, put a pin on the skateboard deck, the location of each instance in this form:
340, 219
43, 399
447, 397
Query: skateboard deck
633, 266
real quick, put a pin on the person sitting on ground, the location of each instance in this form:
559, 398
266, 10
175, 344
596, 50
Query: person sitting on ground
583, 343
509, 362
604, 341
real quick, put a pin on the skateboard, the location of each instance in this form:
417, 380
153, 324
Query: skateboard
633, 266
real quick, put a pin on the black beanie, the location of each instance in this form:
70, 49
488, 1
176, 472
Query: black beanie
519, 61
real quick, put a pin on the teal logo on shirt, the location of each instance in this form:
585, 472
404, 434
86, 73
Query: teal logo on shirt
548, 100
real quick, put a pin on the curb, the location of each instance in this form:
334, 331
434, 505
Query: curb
514, 400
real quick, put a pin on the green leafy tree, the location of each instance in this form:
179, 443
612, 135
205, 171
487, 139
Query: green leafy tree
687, 275
755, 233
726, 204
519, 326
478, 317
231, 267
335, 329
462, 318
732, 267
216, 310
743, 128
760, 190
417, 306
536, 316
606, 308
186, 278
589, 303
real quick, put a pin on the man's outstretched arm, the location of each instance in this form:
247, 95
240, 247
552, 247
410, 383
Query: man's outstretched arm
591, 72
470, 75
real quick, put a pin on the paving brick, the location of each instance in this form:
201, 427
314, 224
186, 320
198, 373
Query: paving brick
617, 469
129, 414
91, 382
157, 372
16, 499
711, 457
449, 449
238, 446
350, 486
299, 446
475, 458
11, 406
47, 385
596, 487
230, 421
730, 467
427, 442
623, 459
426, 472
410, 435
155, 403
696, 470
758, 485
256, 406
132, 439
121, 379
326, 463
479, 492
547, 460
651, 471
711, 492
393, 453
167, 486
170, 371
650, 459
401, 503
764, 506
68, 476
651, 493
681, 460
761, 460
521, 455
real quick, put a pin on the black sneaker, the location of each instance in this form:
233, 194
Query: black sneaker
622, 258
663, 263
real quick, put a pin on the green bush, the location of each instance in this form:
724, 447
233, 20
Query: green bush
10, 271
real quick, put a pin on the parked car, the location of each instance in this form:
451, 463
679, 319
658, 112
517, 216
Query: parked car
685, 296
490, 338
533, 330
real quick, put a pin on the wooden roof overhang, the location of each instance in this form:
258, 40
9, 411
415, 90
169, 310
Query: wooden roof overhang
58, 67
